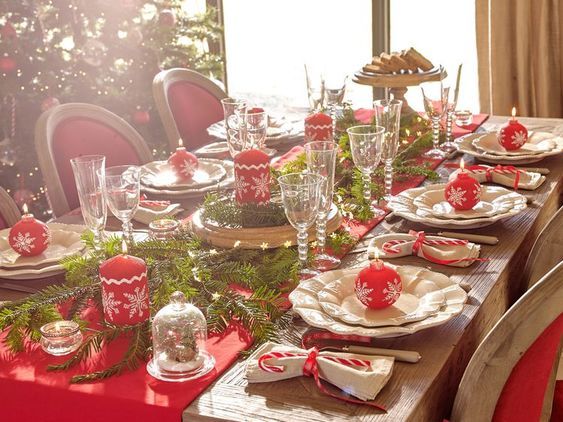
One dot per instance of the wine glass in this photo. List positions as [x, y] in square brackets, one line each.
[301, 197]
[234, 127]
[335, 88]
[388, 115]
[451, 105]
[321, 160]
[365, 144]
[315, 89]
[122, 193]
[89, 172]
[255, 122]
[435, 97]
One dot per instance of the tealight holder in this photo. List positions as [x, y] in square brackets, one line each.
[60, 338]
[463, 117]
[163, 229]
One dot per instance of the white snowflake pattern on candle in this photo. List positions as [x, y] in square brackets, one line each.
[363, 292]
[111, 305]
[23, 242]
[261, 186]
[392, 291]
[241, 185]
[188, 168]
[456, 196]
[137, 301]
[519, 138]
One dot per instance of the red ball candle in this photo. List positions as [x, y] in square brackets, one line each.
[125, 290]
[318, 127]
[252, 177]
[29, 237]
[183, 162]
[513, 135]
[463, 192]
[378, 285]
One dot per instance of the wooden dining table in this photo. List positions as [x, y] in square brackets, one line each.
[423, 391]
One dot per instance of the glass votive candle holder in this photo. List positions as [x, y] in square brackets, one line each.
[463, 117]
[60, 338]
[163, 229]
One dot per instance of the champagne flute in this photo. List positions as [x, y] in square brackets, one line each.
[301, 195]
[388, 115]
[453, 95]
[122, 193]
[435, 97]
[365, 144]
[315, 89]
[321, 160]
[89, 171]
[234, 127]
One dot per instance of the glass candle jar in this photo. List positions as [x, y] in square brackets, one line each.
[163, 229]
[179, 333]
[463, 117]
[60, 338]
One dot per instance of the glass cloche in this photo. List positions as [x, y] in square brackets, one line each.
[179, 332]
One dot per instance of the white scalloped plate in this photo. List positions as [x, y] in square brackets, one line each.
[159, 174]
[306, 303]
[494, 200]
[403, 206]
[465, 144]
[538, 143]
[419, 299]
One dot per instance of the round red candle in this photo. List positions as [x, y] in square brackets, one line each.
[29, 237]
[125, 291]
[183, 162]
[378, 285]
[252, 177]
[318, 127]
[463, 192]
[513, 135]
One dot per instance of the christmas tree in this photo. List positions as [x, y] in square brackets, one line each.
[103, 52]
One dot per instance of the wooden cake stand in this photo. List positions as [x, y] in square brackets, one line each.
[397, 83]
[255, 237]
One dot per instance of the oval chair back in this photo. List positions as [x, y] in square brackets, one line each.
[188, 103]
[71, 130]
[9, 212]
[511, 376]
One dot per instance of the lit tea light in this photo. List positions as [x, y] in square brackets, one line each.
[60, 338]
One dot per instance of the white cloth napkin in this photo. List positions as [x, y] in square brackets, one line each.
[363, 383]
[528, 180]
[441, 252]
[147, 215]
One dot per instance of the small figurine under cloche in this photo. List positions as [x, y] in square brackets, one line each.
[179, 333]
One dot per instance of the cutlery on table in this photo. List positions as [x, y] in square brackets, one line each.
[399, 355]
[476, 238]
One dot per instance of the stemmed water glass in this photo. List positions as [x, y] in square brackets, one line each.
[451, 105]
[122, 194]
[89, 172]
[232, 110]
[388, 115]
[365, 144]
[335, 88]
[255, 122]
[321, 160]
[315, 89]
[435, 97]
[301, 194]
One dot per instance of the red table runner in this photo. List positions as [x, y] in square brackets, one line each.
[32, 393]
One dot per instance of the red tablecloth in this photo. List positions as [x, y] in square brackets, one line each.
[31, 393]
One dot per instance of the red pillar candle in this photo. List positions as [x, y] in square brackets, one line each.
[318, 127]
[513, 135]
[463, 192]
[29, 237]
[125, 290]
[183, 162]
[252, 177]
[378, 285]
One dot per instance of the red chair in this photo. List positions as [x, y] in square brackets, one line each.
[9, 212]
[71, 130]
[188, 103]
[512, 375]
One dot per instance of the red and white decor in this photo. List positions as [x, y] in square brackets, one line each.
[125, 291]
[378, 285]
[513, 135]
[318, 127]
[29, 236]
[252, 177]
[183, 162]
[463, 192]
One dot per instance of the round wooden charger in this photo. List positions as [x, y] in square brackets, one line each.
[256, 237]
[398, 80]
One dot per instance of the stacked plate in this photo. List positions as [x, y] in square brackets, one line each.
[65, 241]
[427, 205]
[158, 178]
[280, 131]
[486, 148]
[329, 301]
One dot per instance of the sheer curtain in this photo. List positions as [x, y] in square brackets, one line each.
[519, 48]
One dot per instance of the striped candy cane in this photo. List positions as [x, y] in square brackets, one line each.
[488, 170]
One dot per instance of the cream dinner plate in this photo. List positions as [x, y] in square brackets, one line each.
[159, 174]
[538, 143]
[305, 302]
[494, 200]
[420, 298]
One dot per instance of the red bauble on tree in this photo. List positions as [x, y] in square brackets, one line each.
[378, 286]
[463, 192]
[167, 17]
[183, 162]
[29, 237]
[7, 64]
[125, 291]
[318, 127]
[513, 135]
[141, 117]
[252, 177]
[49, 102]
